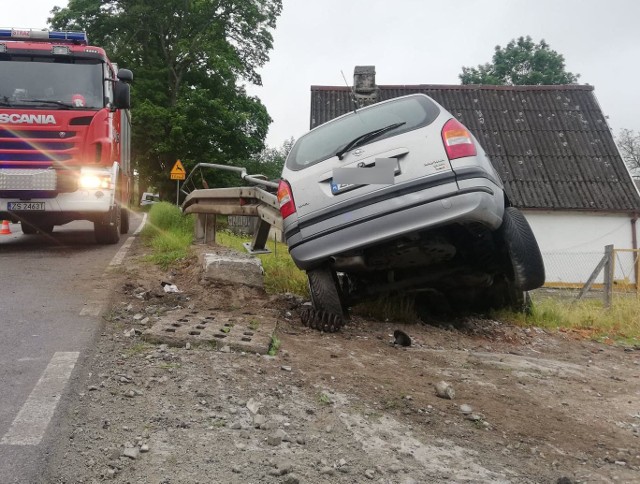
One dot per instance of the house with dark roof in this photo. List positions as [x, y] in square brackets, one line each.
[554, 151]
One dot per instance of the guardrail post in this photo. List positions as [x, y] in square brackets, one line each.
[205, 228]
[260, 238]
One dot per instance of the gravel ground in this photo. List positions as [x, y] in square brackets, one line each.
[472, 400]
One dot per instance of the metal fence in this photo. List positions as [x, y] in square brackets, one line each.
[612, 272]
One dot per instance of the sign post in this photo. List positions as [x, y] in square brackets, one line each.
[178, 173]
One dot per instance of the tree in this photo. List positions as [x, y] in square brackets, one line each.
[270, 161]
[190, 59]
[521, 62]
[628, 142]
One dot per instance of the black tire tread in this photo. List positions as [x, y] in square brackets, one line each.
[523, 249]
[108, 234]
[323, 287]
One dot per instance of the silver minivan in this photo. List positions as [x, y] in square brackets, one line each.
[400, 197]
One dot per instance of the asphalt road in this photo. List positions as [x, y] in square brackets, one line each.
[52, 291]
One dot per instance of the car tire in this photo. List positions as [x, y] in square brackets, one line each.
[106, 233]
[325, 290]
[522, 247]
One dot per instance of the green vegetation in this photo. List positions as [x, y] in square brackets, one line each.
[138, 348]
[588, 318]
[168, 233]
[281, 274]
[274, 346]
[521, 62]
[324, 399]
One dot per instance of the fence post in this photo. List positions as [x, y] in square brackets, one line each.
[608, 275]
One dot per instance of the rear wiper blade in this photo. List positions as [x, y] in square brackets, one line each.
[363, 138]
[48, 101]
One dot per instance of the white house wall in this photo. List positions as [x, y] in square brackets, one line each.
[572, 244]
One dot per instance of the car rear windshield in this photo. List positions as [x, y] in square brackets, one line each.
[323, 142]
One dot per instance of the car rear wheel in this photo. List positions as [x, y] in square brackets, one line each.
[325, 290]
[523, 250]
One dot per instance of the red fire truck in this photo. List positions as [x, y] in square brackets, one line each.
[65, 132]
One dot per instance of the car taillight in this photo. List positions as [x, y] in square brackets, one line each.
[457, 140]
[285, 199]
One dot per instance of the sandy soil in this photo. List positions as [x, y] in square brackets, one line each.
[529, 406]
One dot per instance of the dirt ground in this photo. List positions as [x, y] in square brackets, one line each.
[529, 406]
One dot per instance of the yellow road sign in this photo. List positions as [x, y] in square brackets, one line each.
[178, 172]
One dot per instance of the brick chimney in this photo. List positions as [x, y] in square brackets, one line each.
[364, 85]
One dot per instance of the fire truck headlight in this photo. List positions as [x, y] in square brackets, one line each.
[93, 181]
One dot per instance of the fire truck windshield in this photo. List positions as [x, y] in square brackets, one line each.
[30, 82]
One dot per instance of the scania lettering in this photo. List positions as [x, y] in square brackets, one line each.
[65, 134]
[27, 118]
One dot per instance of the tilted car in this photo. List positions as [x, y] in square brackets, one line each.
[400, 197]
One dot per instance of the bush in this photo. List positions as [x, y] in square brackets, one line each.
[169, 233]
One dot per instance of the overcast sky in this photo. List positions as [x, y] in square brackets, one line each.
[427, 42]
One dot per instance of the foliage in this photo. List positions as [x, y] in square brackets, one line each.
[274, 346]
[168, 233]
[628, 142]
[587, 317]
[270, 161]
[521, 62]
[190, 58]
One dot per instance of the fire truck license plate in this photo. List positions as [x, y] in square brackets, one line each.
[25, 206]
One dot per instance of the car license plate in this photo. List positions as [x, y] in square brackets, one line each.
[342, 187]
[25, 206]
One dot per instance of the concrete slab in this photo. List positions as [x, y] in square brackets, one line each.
[244, 332]
[233, 269]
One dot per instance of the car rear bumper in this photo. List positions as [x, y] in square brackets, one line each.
[480, 201]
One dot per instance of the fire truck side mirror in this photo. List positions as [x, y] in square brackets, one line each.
[125, 75]
[122, 95]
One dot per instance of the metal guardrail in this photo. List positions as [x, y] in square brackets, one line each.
[255, 179]
[254, 201]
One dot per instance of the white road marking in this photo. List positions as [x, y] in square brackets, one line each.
[119, 257]
[141, 226]
[32, 421]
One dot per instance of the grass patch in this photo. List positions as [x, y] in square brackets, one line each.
[280, 273]
[324, 399]
[168, 233]
[618, 324]
[274, 346]
[138, 348]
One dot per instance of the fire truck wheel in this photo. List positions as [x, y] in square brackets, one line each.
[30, 228]
[124, 220]
[106, 233]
